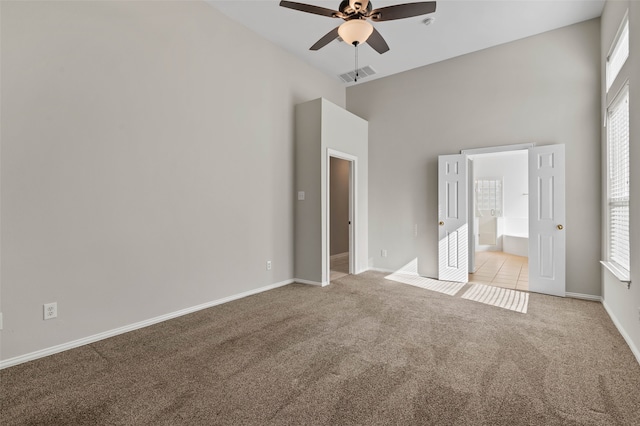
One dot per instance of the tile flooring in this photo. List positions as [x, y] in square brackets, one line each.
[339, 267]
[501, 270]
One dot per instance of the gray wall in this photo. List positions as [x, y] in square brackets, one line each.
[544, 89]
[622, 303]
[308, 229]
[349, 134]
[513, 169]
[147, 163]
[339, 206]
[322, 126]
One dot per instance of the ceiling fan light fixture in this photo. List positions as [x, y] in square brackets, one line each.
[355, 31]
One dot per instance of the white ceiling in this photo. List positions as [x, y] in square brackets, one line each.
[460, 27]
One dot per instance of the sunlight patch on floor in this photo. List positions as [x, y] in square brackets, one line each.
[444, 287]
[500, 297]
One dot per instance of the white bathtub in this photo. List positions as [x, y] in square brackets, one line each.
[515, 238]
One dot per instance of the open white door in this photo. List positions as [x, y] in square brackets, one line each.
[547, 239]
[453, 232]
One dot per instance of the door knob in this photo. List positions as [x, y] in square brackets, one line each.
[560, 227]
[441, 223]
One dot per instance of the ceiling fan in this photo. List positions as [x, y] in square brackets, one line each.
[356, 29]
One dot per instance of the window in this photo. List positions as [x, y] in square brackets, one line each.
[489, 195]
[618, 183]
[618, 54]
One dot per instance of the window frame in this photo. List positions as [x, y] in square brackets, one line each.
[615, 87]
[622, 272]
[622, 30]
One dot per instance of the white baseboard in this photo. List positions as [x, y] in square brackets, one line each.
[584, 296]
[386, 271]
[398, 271]
[634, 349]
[297, 280]
[110, 333]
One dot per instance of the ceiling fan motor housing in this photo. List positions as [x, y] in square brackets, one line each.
[349, 8]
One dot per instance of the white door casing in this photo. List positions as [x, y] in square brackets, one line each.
[547, 234]
[471, 215]
[453, 231]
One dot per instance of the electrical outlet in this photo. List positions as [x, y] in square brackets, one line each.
[50, 310]
[268, 265]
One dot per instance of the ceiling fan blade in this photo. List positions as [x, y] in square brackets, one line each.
[376, 41]
[400, 11]
[328, 38]
[316, 10]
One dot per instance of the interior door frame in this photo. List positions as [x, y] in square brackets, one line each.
[470, 212]
[353, 209]
[471, 209]
[555, 271]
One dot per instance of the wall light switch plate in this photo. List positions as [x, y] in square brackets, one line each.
[300, 195]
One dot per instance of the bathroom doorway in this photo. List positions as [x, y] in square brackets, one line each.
[547, 213]
[499, 219]
[340, 217]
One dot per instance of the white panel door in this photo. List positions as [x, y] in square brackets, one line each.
[453, 237]
[547, 232]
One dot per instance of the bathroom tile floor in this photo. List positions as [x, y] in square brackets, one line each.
[501, 270]
[339, 267]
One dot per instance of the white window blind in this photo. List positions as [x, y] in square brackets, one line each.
[618, 55]
[618, 188]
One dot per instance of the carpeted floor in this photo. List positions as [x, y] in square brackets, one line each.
[364, 350]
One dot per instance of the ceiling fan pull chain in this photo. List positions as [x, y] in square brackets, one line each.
[356, 45]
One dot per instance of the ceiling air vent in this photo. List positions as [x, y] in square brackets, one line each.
[363, 72]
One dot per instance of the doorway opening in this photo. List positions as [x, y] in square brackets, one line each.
[546, 236]
[499, 219]
[338, 217]
[341, 211]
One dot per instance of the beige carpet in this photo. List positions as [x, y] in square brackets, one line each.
[364, 350]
